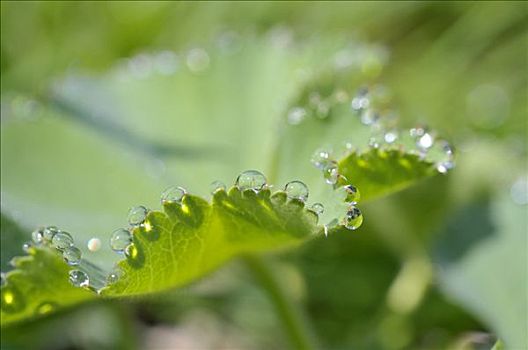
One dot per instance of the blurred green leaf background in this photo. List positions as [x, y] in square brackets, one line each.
[442, 265]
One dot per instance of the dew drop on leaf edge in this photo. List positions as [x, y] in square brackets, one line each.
[49, 232]
[172, 194]
[120, 239]
[251, 180]
[72, 255]
[137, 215]
[297, 190]
[79, 278]
[317, 208]
[352, 194]
[353, 219]
[217, 186]
[62, 240]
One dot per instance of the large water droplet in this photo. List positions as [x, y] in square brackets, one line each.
[37, 236]
[120, 239]
[217, 186]
[137, 215]
[62, 240]
[352, 194]
[172, 195]
[197, 60]
[330, 173]
[94, 244]
[296, 190]
[296, 115]
[317, 208]
[353, 218]
[72, 255]
[49, 232]
[321, 158]
[79, 278]
[251, 180]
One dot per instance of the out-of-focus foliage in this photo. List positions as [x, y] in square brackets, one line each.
[440, 265]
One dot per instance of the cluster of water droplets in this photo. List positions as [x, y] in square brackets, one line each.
[349, 194]
[295, 190]
[168, 62]
[371, 107]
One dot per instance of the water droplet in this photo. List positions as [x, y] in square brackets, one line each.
[444, 166]
[173, 195]
[120, 239]
[45, 308]
[353, 194]
[198, 60]
[62, 240]
[360, 101]
[94, 244]
[251, 180]
[321, 158]
[296, 190]
[217, 186]
[2, 279]
[519, 191]
[37, 236]
[353, 218]
[425, 141]
[296, 115]
[317, 208]
[27, 246]
[330, 174]
[114, 276]
[390, 136]
[369, 117]
[72, 255]
[137, 215]
[131, 251]
[49, 232]
[79, 278]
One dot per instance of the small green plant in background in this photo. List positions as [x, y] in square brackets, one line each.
[340, 177]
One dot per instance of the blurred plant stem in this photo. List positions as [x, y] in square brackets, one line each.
[294, 324]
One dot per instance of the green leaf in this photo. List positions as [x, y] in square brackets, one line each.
[381, 172]
[108, 143]
[480, 256]
[187, 241]
[38, 286]
[171, 248]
